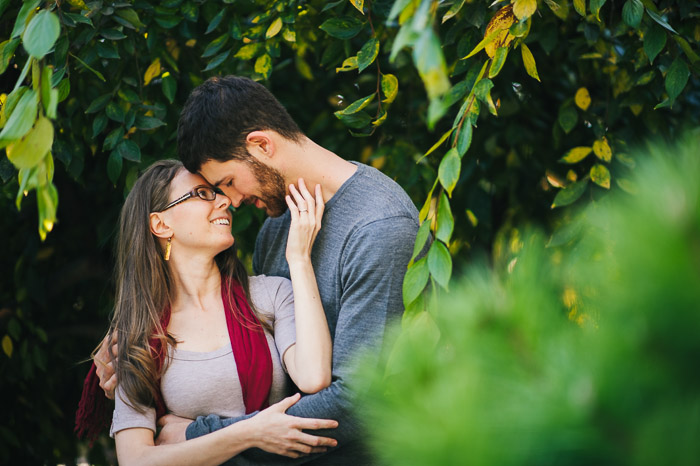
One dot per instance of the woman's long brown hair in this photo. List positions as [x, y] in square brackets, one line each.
[145, 287]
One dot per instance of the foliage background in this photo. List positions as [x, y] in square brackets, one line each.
[112, 77]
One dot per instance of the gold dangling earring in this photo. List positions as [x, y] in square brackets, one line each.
[167, 249]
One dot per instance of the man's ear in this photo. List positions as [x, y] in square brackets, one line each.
[260, 144]
[158, 225]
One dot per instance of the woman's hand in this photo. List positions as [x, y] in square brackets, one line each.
[307, 214]
[281, 434]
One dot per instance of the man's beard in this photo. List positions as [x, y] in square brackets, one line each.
[272, 187]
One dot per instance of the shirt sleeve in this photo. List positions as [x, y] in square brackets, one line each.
[273, 296]
[373, 265]
[127, 417]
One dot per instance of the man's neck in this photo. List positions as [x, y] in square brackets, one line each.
[316, 165]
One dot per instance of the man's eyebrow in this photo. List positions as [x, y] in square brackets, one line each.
[215, 184]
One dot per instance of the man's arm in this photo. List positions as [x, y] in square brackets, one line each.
[373, 266]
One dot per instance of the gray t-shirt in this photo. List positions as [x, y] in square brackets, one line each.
[360, 258]
[201, 383]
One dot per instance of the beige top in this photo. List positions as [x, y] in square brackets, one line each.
[199, 384]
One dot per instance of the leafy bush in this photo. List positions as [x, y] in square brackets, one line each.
[580, 354]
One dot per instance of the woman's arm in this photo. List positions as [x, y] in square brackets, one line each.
[270, 430]
[309, 360]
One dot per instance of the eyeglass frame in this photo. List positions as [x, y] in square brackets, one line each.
[192, 194]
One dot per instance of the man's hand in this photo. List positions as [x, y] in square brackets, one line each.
[279, 433]
[172, 429]
[105, 368]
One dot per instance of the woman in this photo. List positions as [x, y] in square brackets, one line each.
[194, 334]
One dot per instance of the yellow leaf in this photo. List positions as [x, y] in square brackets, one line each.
[349, 63]
[390, 87]
[7, 345]
[636, 109]
[576, 154]
[152, 71]
[263, 65]
[600, 175]
[523, 9]
[582, 99]
[571, 176]
[191, 43]
[28, 151]
[359, 4]
[602, 150]
[501, 21]
[274, 28]
[580, 7]
[529, 62]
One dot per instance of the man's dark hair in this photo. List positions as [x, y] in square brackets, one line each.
[220, 113]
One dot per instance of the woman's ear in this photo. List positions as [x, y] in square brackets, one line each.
[260, 144]
[158, 225]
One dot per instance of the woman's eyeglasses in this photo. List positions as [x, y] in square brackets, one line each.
[203, 192]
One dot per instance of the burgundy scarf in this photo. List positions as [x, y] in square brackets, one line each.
[250, 350]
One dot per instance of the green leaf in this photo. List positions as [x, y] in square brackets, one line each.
[498, 61]
[190, 11]
[129, 150]
[169, 88]
[131, 16]
[112, 34]
[78, 18]
[99, 103]
[654, 41]
[570, 194]
[454, 9]
[595, 6]
[215, 45]
[482, 91]
[448, 172]
[367, 54]
[263, 65]
[97, 73]
[464, 139]
[7, 50]
[128, 95]
[421, 238]
[21, 21]
[529, 62]
[416, 278]
[215, 21]
[99, 124]
[113, 138]
[22, 118]
[349, 64]
[600, 175]
[576, 154]
[41, 33]
[115, 112]
[357, 105]
[438, 144]
[676, 78]
[114, 166]
[356, 120]
[632, 13]
[345, 27]
[28, 151]
[568, 117]
[147, 123]
[390, 87]
[217, 60]
[440, 263]
[659, 20]
[63, 89]
[445, 220]
[580, 7]
[430, 62]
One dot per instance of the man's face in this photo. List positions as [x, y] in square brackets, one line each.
[249, 182]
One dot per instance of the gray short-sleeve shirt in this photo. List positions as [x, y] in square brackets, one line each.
[201, 383]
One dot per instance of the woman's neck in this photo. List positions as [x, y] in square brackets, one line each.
[196, 280]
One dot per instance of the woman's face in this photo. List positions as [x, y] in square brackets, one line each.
[198, 224]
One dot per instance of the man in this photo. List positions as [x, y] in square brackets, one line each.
[235, 133]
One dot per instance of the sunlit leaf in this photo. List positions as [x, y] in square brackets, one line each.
[582, 98]
[263, 65]
[529, 62]
[440, 263]
[274, 28]
[600, 175]
[580, 7]
[430, 62]
[22, 118]
[390, 87]
[41, 33]
[498, 61]
[356, 106]
[28, 151]
[7, 50]
[576, 154]
[415, 280]
[523, 9]
[448, 172]
[595, 6]
[359, 4]
[454, 9]
[152, 71]
[349, 64]
[602, 150]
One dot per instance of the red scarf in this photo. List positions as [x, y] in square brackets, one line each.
[250, 350]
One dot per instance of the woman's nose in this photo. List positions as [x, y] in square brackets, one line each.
[222, 201]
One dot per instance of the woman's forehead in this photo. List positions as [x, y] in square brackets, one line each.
[184, 181]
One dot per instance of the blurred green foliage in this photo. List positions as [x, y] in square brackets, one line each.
[488, 114]
[584, 353]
